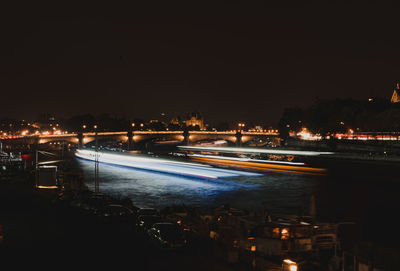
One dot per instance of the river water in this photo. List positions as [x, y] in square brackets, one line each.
[363, 193]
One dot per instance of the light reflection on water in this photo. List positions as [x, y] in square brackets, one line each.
[366, 194]
[284, 193]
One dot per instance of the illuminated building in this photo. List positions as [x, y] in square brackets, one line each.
[396, 94]
[195, 119]
[176, 121]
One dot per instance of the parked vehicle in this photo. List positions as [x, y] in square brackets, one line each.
[145, 222]
[167, 235]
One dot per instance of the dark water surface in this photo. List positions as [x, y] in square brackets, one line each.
[368, 194]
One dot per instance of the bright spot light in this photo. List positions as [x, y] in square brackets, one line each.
[306, 135]
[291, 264]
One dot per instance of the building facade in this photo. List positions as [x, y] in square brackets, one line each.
[195, 119]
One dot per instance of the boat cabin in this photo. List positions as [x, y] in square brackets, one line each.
[280, 239]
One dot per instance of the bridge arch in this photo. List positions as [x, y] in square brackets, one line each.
[140, 138]
[73, 140]
[198, 137]
[102, 139]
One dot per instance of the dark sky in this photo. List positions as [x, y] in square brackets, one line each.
[229, 62]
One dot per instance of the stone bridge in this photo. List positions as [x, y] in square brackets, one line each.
[133, 137]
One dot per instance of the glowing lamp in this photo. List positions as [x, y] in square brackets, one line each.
[284, 233]
[289, 265]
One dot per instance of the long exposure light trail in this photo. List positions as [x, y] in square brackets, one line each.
[252, 150]
[162, 165]
[247, 159]
[262, 166]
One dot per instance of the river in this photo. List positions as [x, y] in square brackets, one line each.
[367, 194]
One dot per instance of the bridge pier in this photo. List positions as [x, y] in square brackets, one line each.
[80, 140]
[129, 134]
[186, 137]
[238, 138]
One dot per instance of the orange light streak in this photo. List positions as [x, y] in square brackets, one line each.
[272, 167]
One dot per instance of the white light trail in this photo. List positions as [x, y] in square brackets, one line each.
[162, 165]
[252, 150]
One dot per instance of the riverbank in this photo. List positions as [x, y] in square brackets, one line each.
[40, 233]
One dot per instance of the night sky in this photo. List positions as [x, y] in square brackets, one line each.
[229, 62]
